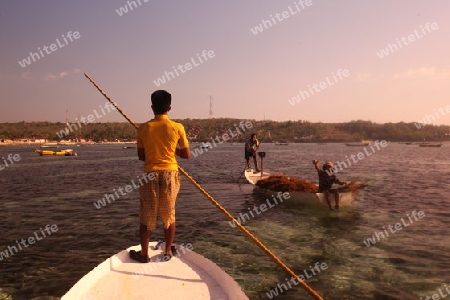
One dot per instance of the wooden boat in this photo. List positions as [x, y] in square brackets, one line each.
[50, 146]
[426, 144]
[65, 152]
[345, 195]
[357, 144]
[187, 275]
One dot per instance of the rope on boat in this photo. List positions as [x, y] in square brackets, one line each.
[221, 208]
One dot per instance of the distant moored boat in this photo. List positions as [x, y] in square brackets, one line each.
[426, 144]
[65, 152]
[360, 144]
[50, 146]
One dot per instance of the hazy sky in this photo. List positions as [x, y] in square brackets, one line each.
[249, 76]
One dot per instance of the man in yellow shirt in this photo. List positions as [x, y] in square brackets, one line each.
[157, 146]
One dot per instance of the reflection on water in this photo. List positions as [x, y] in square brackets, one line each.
[411, 263]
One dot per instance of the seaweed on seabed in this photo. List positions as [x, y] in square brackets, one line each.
[282, 183]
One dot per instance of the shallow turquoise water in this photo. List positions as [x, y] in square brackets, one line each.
[409, 264]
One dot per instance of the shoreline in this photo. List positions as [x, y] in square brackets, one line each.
[65, 144]
[6, 144]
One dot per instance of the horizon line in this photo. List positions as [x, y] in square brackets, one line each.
[240, 119]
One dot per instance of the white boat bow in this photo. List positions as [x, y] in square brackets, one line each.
[187, 276]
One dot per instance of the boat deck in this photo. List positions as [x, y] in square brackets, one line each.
[188, 276]
[253, 177]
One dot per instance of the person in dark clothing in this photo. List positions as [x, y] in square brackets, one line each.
[250, 151]
[326, 181]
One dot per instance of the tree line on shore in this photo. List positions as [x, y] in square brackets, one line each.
[200, 130]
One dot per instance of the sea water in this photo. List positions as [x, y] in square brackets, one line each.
[410, 263]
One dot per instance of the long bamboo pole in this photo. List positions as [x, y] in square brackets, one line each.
[220, 207]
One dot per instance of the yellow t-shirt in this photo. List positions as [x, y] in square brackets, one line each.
[159, 138]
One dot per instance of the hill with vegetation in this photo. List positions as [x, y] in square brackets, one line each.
[202, 130]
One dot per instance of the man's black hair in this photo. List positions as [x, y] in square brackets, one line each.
[161, 101]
